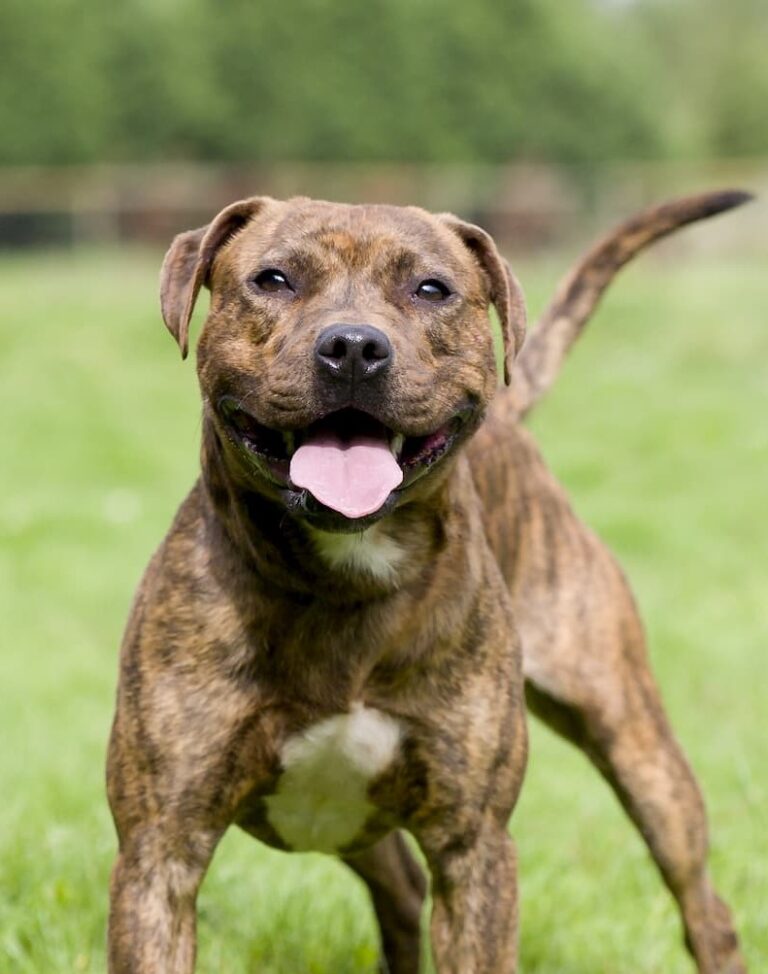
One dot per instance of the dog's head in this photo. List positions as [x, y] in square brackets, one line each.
[347, 351]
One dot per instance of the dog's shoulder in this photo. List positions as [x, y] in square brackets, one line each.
[180, 590]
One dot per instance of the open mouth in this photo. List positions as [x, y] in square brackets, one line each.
[347, 461]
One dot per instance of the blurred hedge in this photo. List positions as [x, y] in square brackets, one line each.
[442, 80]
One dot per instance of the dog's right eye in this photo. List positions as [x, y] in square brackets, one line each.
[272, 280]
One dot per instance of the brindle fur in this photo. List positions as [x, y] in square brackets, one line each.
[241, 635]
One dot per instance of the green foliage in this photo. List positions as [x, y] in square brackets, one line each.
[718, 70]
[442, 80]
[657, 428]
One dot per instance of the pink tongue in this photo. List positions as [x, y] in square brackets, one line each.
[354, 477]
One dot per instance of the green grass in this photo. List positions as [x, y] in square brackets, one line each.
[658, 428]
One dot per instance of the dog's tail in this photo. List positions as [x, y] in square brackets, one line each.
[579, 292]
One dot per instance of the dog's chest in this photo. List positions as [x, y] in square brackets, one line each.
[321, 802]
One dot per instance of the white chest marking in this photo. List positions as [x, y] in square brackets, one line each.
[370, 551]
[321, 801]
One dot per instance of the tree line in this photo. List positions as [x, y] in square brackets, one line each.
[574, 81]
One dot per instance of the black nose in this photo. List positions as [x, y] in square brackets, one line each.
[353, 352]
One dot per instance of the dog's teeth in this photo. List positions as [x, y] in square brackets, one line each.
[290, 443]
[396, 445]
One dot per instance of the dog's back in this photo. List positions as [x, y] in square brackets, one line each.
[567, 588]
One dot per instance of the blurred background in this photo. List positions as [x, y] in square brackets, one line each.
[544, 121]
[122, 123]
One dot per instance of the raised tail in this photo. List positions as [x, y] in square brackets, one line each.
[579, 292]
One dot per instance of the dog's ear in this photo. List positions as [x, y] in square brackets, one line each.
[187, 265]
[505, 292]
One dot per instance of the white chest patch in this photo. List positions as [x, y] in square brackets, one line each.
[370, 551]
[321, 802]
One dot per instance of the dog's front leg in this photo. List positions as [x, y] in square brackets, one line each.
[153, 893]
[474, 912]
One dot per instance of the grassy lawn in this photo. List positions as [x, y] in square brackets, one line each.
[659, 428]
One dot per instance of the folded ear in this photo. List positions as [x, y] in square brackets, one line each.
[187, 265]
[504, 291]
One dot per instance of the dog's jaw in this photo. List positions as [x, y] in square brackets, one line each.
[276, 462]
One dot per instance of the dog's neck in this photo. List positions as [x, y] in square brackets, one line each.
[285, 554]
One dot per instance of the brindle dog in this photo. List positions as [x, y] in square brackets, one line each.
[326, 648]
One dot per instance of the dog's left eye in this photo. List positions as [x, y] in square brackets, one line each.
[272, 280]
[432, 290]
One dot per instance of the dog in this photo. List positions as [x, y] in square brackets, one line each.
[373, 576]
